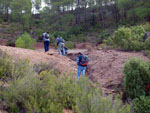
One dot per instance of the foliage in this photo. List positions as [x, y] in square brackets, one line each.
[147, 27]
[38, 32]
[136, 76]
[1, 21]
[21, 12]
[11, 43]
[25, 41]
[129, 38]
[105, 35]
[76, 30]
[81, 38]
[6, 66]
[147, 44]
[69, 44]
[90, 100]
[44, 92]
[141, 105]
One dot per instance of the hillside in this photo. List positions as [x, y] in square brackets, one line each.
[61, 63]
[105, 67]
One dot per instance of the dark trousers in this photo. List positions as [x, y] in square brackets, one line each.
[46, 46]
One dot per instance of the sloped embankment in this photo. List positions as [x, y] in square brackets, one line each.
[61, 63]
[106, 67]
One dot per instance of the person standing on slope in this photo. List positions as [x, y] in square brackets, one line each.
[46, 41]
[82, 62]
[61, 44]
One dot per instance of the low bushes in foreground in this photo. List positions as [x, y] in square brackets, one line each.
[42, 91]
[142, 104]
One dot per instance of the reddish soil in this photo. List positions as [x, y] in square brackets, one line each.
[3, 41]
[106, 67]
[58, 62]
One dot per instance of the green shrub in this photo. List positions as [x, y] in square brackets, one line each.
[69, 45]
[141, 105]
[6, 66]
[10, 70]
[136, 76]
[25, 41]
[147, 27]
[1, 21]
[147, 44]
[105, 35]
[129, 38]
[44, 92]
[11, 43]
[81, 38]
[38, 32]
[90, 100]
[75, 30]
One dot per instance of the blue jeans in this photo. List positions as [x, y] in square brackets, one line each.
[46, 46]
[81, 69]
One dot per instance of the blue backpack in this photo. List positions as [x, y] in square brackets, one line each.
[83, 60]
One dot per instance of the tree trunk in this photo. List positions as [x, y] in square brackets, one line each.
[85, 19]
[93, 17]
[78, 13]
[133, 16]
[102, 15]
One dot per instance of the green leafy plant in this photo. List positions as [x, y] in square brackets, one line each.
[147, 27]
[69, 44]
[142, 104]
[25, 41]
[136, 76]
[129, 38]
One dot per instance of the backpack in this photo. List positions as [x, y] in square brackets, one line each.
[83, 60]
[46, 36]
[61, 40]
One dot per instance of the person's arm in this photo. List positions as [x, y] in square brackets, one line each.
[77, 60]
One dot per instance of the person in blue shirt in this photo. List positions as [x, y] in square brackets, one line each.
[46, 41]
[82, 62]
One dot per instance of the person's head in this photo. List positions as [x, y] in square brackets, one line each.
[47, 32]
[79, 53]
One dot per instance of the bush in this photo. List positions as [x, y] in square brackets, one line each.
[136, 76]
[90, 100]
[38, 32]
[1, 21]
[69, 45]
[147, 44]
[6, 66]
[11, 43]
[147, 27]
[10, 70]
[81, 38]
[141, 105]
[129, 38]
[44, 92]
[105, 35]
[25, 41]
[75, 30]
